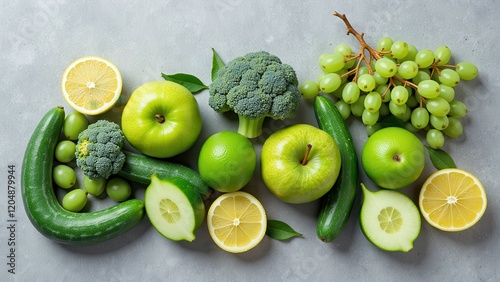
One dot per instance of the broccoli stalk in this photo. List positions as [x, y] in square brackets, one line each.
[99, 149]
[255, 86]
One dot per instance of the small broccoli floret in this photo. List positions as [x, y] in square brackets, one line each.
[255, 86]
[99, 149]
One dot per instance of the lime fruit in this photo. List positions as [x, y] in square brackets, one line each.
[227, 161]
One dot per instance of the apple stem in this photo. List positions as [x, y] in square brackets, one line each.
[160, 118]
[306, 157]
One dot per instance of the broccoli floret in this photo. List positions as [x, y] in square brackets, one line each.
[255, 86]
[99, 149]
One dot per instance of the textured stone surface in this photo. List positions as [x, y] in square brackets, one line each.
[144, 38]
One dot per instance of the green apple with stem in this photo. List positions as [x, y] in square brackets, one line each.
[393, 157]
[161, 119]
[300, 163]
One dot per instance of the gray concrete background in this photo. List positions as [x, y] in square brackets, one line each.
[40, 38]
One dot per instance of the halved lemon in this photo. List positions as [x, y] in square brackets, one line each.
[237, 222]
[91, 85]
[452, 200]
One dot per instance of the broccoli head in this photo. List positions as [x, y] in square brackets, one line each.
[99, 149]
[255, 86]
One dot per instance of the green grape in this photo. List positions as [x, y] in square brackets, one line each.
[449, 77]
[94, 187]
[358, 107]
[421, 76]
[74, 123]
[458, 109]
[384, 44]
[363, 70]
[380, 80]
[351, 92]
[454, 129]
[321, 57]
[343, 49]
[434, 138]
[372, 102]
[64, 176]
[370, 129]
[349, 62]
[409, 126]
[466, 70]
[407, 114]
[442, 54]
[419, 118]
[384, 110]
[118, 189]
[369, 118]
[338, 93]
[386, 67]
[429, 89]
[65, 151]
[399, 49]
[75, 200]
[384, 89]
[343, 77]
[412, 101]
[366, 82]
[447, 93]
[332, 63]
[399, 95]
[424, 58]
[397, 110]
[344, 109]
[330, 82]
[412, 53]
[438, 106]
[439, 123]
[309, 89]
[408, 69]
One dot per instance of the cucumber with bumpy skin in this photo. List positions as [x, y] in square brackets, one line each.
[139, 168]
[42, 206]
[337, 204]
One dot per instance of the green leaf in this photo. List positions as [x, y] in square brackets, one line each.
[391, 121]
[217, 64]
[440, 159]
[280, 231]
[191, 82]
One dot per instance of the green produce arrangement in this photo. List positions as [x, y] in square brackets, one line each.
[400, 93]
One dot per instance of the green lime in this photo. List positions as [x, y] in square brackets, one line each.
[227, 161]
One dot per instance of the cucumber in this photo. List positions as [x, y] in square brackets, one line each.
[42, 206]
[337, 204]
[139, 168]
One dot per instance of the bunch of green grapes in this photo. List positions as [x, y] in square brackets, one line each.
[415, 86]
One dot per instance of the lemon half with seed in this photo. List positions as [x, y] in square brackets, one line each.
[237, 222]
[91, 85]
[452, 200]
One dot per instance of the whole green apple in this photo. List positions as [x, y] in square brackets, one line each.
[393, 157]
[300, 163]
[161, 119]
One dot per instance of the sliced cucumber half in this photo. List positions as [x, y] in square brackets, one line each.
[174, 208]
[389, 219]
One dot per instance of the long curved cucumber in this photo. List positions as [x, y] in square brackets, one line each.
[337, 204]
[139, 168]
[41, 204]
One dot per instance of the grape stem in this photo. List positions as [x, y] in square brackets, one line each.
[373, 54]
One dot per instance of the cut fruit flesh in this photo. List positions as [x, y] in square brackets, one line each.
[174, 207]
[91, 85]
[236, 222]
[389, 219]
[452, 200]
